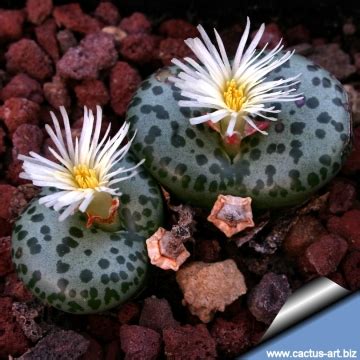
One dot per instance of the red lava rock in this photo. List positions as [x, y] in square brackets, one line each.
[266, 298]
[298, 34]
[38, 10]
[173, 48]
[12, 339]
[94, 350]
[347, 226]
[11, 24]
[5, 255]
[208, 250]
[305, 231]
[103, 327]
[13, 171]
[124, 80]
[128, 313]
[92, 93]
[61, 344]
[20, 198]
[16, 289]
[107, 13]
[139, 48]
[22, 85]
[178, 29]
[189, 342]
[351, 270]
[46, 37]
[18, 111]
[325, 254]
[338, 278]
[272, 35]
[135, 24]
[5, 227]
[157, 315]
[342, 197]
[72, 17]
[231, 338]
[352, 163]
[27, 138]
[2, 141]
[138, 342]
[96, 52]
[56, 93]
[26, 56]
[6, 193]
[66, 40]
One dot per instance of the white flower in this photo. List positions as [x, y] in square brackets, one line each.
[85, 169]
[237, 91]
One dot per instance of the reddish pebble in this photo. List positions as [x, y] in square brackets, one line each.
[157, 315]
[107, 13]
[12, 340]
[135, 24]
[325, 254]
[103, 327]
[208, 250]
[305, 231]
[342, 197]
[27, 138]
[56, 93]
[92, 93]
[22, 85]
[348, 227]
[94, 350]
[298, 34]
[231, 338]
[6, 193]
[189, 342]
[178, 29]
[271, 36]
[11, 24]
[5, 255]
[352, 164]
[96, 52]
[267, 298]
[173, 48]
[128, 313]
[15, 288]
[72, 17]
[139, 48]
[38, 10]
[351, 270]
[46, 37]
[124, 81]
[138, 342]
[26, 56]
[18, 111]
[66, 40]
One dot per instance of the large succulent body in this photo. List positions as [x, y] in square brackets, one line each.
[303, 150]
[83, 270]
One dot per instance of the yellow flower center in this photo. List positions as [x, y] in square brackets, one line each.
[234, 96]
[85, 178]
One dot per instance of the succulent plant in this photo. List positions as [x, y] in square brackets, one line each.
[87, 270]
[303, 150]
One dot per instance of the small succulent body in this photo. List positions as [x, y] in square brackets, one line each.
[87, 270]
[303, 150]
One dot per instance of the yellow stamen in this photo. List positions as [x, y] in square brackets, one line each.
[234, 96]
[86, 178]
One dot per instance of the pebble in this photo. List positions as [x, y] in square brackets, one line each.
[342, 196]
[189, 342]
[170, 48]
[56, 93]
[91, 93]
[5, 255]
[267, 298]
[351, 270]
[136, 23]
[107, 13]
[46, 37]
[208, 288]
[138, 342]
[178, 29]
[38, 10]
[129, 313]
[156, 314]
[11, 24]
[27, 138]
[102, 327]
